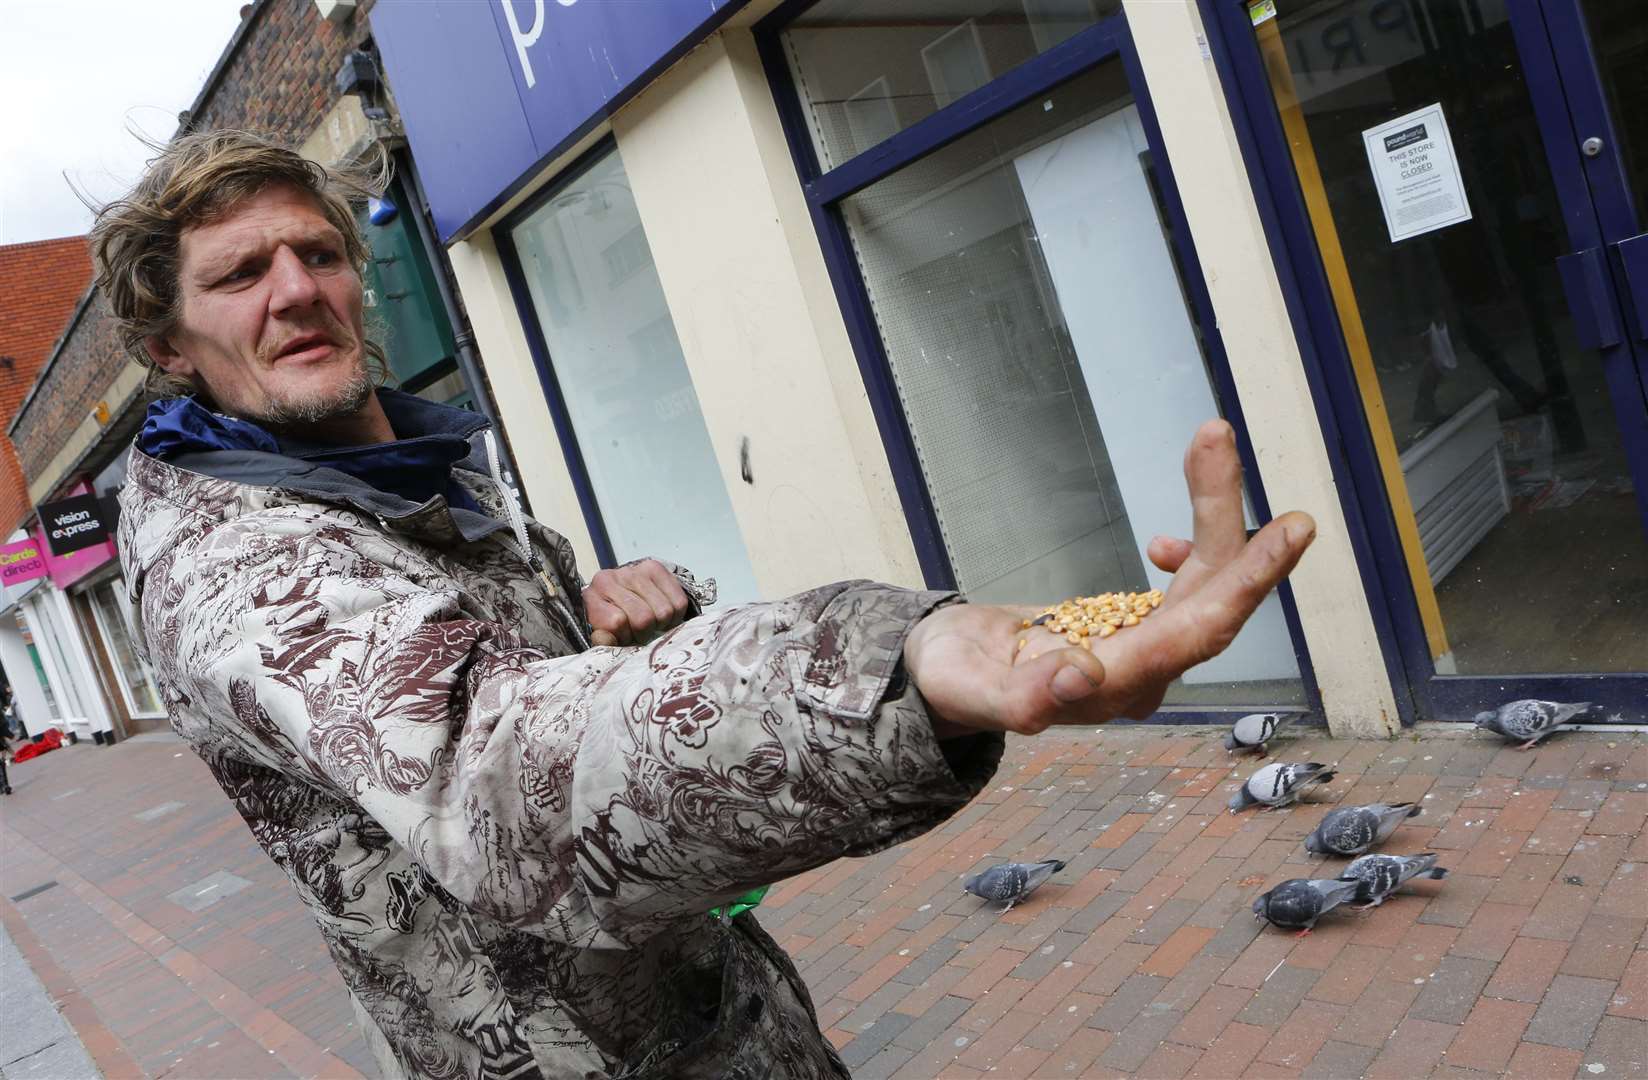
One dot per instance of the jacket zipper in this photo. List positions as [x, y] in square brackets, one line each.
[556, 601]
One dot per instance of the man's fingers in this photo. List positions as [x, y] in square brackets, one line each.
[1168, 553]
[637, 612]
[603, 638]
[608, 618]
[648, 592]
[675, 597]
[1199, 627]
[1047, 689]
[1213, 474]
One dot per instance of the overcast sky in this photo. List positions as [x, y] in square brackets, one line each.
[74, 78]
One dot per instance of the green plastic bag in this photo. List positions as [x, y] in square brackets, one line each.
[741, 905]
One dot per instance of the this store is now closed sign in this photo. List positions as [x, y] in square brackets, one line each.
[73, 524]
[22, 561]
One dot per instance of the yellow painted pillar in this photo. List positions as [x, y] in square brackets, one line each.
[1350, 320]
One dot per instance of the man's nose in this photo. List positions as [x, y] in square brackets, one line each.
[292, 285]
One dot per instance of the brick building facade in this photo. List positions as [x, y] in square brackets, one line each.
[41, 284]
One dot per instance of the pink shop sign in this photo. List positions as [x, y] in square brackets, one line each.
[22, 561]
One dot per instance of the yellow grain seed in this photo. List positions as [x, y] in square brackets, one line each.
[1072, 637]
[1022, 643]
[1131, 620]
[1106, 630]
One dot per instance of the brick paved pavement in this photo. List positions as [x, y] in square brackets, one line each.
[1141, 959]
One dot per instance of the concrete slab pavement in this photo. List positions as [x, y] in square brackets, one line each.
[35, 1040]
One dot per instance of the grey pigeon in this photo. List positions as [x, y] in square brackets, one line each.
[1297, 904]
[1351, 830]
[1252, 731]
[1377, 876]
[1530, 719]
[1278, 784]
[1011, 882]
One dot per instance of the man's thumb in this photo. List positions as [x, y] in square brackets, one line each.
[1071, 684]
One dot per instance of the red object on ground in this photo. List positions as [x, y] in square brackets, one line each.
[50, 739]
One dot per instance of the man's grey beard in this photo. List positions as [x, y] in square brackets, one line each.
[346, 401]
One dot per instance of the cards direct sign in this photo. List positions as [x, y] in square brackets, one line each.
[20, 562]
[73, 524]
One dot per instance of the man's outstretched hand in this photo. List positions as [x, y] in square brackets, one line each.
[965, 658]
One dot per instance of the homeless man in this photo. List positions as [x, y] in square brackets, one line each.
[512, 839]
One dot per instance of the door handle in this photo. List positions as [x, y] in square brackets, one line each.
[1585, 281]
[1633, 264]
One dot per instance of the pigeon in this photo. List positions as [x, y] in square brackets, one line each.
[1377, 876]
[1278, 784]
[1297, 904]
[1530, 719]
[1011, 882]
[1252, 731]
[1351, 830]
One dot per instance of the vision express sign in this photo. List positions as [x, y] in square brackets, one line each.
[73, 524]
[20, 562]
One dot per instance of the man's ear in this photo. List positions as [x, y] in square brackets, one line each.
[166, 358]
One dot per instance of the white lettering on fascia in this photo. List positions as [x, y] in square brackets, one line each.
[524, 41]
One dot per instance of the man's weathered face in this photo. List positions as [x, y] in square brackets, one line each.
[271, 313]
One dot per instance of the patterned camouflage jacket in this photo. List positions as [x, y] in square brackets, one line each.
[510, 841]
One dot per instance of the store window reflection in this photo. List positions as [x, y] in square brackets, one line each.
[625, 382]
[1033, 315]
[136, 682]
[867, 69]
[1495, 431]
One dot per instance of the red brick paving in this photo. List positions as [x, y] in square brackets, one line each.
[1169, 977]
[1139, 959]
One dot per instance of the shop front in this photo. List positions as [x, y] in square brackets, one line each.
[936, 294]
[1460, 192]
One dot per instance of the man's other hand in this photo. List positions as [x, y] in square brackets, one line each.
[965, 658]
[634, 603]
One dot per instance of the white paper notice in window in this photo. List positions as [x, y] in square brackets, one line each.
[1417, 173]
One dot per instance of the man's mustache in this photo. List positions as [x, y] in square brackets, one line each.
[335, 333]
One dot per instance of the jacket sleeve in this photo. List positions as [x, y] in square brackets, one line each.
[593, 797]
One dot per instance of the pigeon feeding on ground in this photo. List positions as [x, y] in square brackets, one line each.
[1351, 830]
[1011, 882]
[1279, 784]
[1252, 731]
[1530, 719]
[1377, 876]
[1297, 904]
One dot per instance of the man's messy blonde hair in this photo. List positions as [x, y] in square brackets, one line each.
[194, 180]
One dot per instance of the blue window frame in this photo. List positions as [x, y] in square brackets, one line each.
[826, 192]
[1565, 90]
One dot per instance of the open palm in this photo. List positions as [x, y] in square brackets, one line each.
[966, 662]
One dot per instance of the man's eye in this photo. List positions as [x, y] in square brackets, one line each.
[243, 273]
[322, 258]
